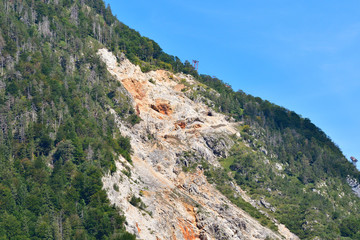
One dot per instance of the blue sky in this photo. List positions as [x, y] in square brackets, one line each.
[302, 55]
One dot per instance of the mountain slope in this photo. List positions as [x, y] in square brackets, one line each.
[56, 138]
[64, 119]
[307, 178]
[178, 204]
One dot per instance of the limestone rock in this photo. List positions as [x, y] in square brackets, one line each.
[355, 186]
[174, 132]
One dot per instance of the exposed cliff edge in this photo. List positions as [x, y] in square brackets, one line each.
[159, 199]
[355, 186]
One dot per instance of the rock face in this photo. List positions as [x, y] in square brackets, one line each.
[175, 132]
[355, 186]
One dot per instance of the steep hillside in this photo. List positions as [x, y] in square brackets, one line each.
[130, 142]
[57, 138]
[182, 133]
[293, 164]
[175, 132]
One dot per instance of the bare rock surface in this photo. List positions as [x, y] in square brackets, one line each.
[355, 186]
[174, 132]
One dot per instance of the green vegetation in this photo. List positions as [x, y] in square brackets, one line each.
[222, 180]
[289, 161]
[57, 138]
[350, 228]
[220, 177]
[136, 202]
[152, 81]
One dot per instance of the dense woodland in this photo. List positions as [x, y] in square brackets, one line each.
[309, 191]
[57, 138]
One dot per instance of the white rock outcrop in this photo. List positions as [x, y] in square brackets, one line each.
[174, 204]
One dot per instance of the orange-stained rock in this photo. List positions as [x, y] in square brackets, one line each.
[163, 108]
[187, 230]
[181, 124]
[178, 205]
[137, 109]
[135, 88]
[179, 87]
[146, 193]
[137, 226]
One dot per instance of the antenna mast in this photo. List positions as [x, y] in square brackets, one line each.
[196, 64]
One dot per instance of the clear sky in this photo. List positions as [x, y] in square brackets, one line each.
[302, 55]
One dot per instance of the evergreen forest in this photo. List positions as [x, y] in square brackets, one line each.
[57, 137]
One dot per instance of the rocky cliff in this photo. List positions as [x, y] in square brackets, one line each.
[178, 129]
[355, 186]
